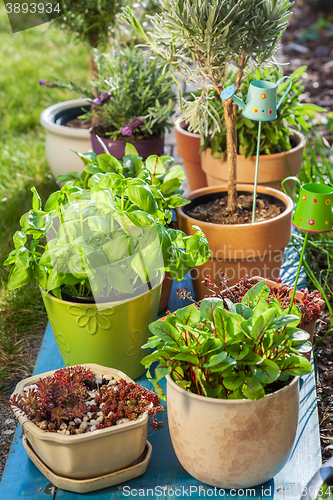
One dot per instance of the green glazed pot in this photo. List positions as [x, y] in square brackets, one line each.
[111, 336]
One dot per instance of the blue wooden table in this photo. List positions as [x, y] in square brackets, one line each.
[165, 478]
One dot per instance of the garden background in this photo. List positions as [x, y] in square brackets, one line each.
[44, 52]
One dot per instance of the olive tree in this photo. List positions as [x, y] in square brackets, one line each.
[203, 40]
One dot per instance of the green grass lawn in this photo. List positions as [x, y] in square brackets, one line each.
[26, 57]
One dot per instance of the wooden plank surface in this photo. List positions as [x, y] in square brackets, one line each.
[165, 478]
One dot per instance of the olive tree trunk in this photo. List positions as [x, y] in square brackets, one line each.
[230, 120]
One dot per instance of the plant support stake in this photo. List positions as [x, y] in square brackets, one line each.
[256, 175]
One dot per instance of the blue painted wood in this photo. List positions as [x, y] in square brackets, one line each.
[165, 478]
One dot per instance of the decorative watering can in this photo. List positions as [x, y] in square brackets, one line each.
[261, 101]
[313, 212]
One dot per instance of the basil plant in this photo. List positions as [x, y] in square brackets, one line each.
[245, 352]
[106, 232]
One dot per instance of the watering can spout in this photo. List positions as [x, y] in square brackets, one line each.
[229, 92]
[239, 101]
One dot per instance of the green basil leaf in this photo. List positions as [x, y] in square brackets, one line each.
[18, 277]
[36, 201]
[140, 218]
[54, 280]
[98, 224]
[19, 239]
[22, 258]
[141, 196]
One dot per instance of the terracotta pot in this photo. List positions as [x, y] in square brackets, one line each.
[233, 443]
[188, 146]
[310, 327]
[60, 141]
[254, 249]
[272, 168]
[91, 454]
[117, 148]
[165, 293]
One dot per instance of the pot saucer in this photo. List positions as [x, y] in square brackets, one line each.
[97, 483]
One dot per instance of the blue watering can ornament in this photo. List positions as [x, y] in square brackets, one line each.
[261, 105]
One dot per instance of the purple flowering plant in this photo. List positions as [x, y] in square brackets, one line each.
[131, 95]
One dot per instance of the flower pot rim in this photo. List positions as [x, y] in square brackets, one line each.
[240, 187]
[178, 125]
[197, 397]
[46, 118]
[126, 138]
[275, 156]
[66, 439]
[104, 305]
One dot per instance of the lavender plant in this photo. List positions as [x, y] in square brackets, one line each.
[131, 95]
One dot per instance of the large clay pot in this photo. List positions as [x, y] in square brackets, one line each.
[188, 146]
[272, 168]
[111, 335]
[117, 148]
[233, 443]
[61, 141]
[254, 249]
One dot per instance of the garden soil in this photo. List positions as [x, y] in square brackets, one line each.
[215, 211]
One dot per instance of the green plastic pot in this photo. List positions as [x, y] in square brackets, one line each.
[111, 336]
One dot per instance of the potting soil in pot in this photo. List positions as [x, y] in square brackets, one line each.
[77, 123]
[215, 211]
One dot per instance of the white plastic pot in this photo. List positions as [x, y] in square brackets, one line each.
[61, 140]
[233, 443]
[91, 454]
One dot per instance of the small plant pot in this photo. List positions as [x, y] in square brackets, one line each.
[188, 146]
[272, 168]
[61, 141]
[117, 148]
[111, 335]
[233, 443]
[310, 327]
[91, 454]
[254, 249]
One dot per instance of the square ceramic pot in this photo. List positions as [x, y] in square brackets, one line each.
[91, 454]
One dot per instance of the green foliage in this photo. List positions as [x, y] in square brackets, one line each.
[137, 87]
[317, 168]
[90, 21]
[24, 57]
[275, 137]
[313, 32]
[106, 230]
[229, 354]
[200, 40]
